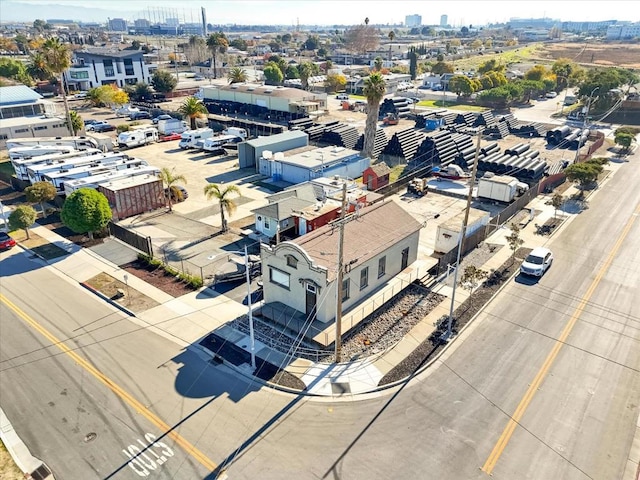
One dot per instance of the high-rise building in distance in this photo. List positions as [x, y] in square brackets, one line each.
[412, 21]
[444, 20]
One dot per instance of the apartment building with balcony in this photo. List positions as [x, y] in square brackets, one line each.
[93, 67]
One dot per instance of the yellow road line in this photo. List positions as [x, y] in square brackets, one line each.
[502, 442]
[141, 409]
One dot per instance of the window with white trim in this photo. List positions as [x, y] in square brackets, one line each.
[364, 278]
[279, 277]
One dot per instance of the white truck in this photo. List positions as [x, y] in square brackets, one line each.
[138, 137]
[172, 125]
[190, 138]
[501, 188]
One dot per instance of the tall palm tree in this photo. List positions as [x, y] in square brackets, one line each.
[192, 108]
[237, 75]
[377, 63]
[37, 66]
[77, 123]
[392, 36]
[374, 90]
[217, 43]
[213, 191]
[170, 180]
[58, 56]
[305, 69]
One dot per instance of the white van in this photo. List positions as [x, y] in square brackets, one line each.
[190, 138]
[137, 137]
[126, 110]
[172, 125]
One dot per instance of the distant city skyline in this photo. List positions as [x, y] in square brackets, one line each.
[321, 12]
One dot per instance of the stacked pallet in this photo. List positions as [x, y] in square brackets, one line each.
[341, 135]
[397, 106]
[379, 143]
[404, 144]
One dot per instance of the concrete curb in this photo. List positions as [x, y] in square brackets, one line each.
[107, 299]
[19, 452]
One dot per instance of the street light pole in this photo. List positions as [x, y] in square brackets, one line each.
[585, 122]
[463, 232]
[252, 339]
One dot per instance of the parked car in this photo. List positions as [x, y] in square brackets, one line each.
[437, 88]
[80, 95]
[198, 78]
[90, 121]
[551, 94]
[178, 193]
[142, 114]
[537, 262]
[161, 117]
[94, 124]
[102, 127]
[170, 137]
[6, 242]
[342, 96]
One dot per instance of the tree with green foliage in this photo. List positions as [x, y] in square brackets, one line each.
[442, 67]
[163, 81]
[513, 240]
[58, 56]
[624, 140]
[531, 87]
[378, 62]
[213, 191]
[170, 180]
[237, 75]
[322, 52]
[311, 43]
[497, 78]
[16, 70]
[585, 173]
[217, 44]
[239, 44]
[39, 25]
[306, 70]
[86, 211]
[139, 92]
[22, 218]
[413, 63]
[272, 73]
[499, 97]
[491, 65]
[192, 108]
[461, 85]
[41, 192]
[563, 68]
[292, 72]
[374, 91]
[537, 73]
[100, 96]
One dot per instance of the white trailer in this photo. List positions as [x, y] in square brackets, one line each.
[36, 172]
[173, 125]
[16, 153]
[138, 137]
[449, 231]
[190, 138]
[501, 188]
[20, 165]
[77, 143]
[217, 143]
[59, 178]
[94, 181]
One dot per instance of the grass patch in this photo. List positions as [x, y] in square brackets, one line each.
[111, 287]
[451, 105]
[521, 54]
[6, 169]
[396, 172]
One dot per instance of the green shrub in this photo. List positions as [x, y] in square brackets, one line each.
[122, 128]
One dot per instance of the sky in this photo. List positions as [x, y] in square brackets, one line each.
[325, 12]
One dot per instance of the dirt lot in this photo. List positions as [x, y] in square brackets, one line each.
[626, 55]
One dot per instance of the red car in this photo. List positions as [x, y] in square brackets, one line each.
[168, 138]
[6, 241]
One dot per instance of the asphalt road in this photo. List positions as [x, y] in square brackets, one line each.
[87, 389]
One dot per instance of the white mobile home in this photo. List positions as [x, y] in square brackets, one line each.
[58, 179]
[77, 143]
[20, 165]
[94, 181]
[36, 172]
[38, 150]
[138, 137]
[190, 138]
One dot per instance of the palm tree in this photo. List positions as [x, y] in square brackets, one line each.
[171, 180]
[377, 63]
[213, 190]
[217, 43]
[58, 56]
[37, 66]
[77, 123]
[392, 35]
[192, 108]
[305, 70]
[366, 21]
[237, 75]
[374, 90]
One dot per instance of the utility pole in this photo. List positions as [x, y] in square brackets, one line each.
[585, 122]
[252, 338]
[463, 232]
[175, 61]
[340, 274]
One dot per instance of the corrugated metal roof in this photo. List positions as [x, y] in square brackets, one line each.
[280, 137]
[18, 94]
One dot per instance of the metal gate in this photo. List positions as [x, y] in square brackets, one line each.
[131, 238]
